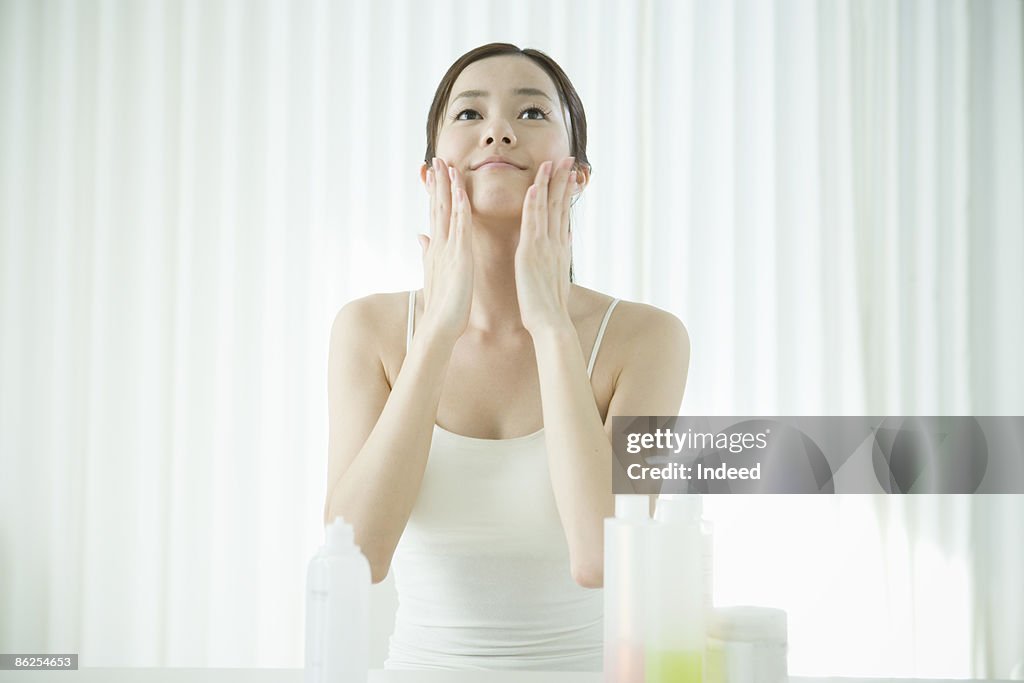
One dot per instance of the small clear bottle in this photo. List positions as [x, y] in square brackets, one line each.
[338, 610]
[680, 582]
[626, 563]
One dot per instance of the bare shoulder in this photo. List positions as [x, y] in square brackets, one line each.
[373, 313]
[644, 329]
[635, 329]
[647, 356]
[373, 324]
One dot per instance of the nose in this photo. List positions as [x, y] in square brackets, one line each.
[499, 130]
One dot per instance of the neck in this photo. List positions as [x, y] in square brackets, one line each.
[495, 307]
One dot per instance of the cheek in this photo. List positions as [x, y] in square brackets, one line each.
[556, 144]
[455, 146]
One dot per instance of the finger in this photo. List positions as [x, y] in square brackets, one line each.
[444, 198]
[456, 219]
[570, 188]
[437, 227]
[457, 208]
[540, 212]
[465, 222]
[424, 244]
[464, 228]
[526, 226]
[432, 189]
[556, 195]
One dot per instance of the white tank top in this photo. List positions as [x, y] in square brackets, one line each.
[482, 568]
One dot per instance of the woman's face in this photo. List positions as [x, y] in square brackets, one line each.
[504, 107]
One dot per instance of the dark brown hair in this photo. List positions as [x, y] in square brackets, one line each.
[569, 98]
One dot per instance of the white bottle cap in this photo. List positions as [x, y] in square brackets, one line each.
[632, 506]
[676, 507]
[748, 624]
[340, 537]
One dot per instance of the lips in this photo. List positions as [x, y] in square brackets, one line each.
[497, 162]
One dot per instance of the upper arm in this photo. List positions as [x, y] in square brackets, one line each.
[655, 360]
[357, 386]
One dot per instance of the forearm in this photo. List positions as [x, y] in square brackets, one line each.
[377, 492]
[579, 452]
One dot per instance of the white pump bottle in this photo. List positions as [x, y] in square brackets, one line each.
[337, 610]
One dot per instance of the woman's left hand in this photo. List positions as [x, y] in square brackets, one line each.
[543, 255]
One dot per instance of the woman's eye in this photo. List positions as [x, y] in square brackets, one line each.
[534, 114]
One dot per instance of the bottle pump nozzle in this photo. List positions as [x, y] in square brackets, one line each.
[674, 507]
[632, 506]
[339, 537]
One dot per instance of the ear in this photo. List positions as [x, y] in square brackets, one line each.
[583, 172]
[423, 176]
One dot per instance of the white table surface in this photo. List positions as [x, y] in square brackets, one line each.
[130, 675]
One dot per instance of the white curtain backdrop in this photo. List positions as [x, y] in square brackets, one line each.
[829, 194]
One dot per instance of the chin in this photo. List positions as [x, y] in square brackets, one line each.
[498, 202]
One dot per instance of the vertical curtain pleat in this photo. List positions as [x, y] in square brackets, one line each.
[711, 265]
[15, 403]
[842, 332]
[800, 269]
[827, 193]
[1006, 110]
[953, 361]
[981, 212]
[104, 461]
[668, 77]
[755, 378]
[63, 379]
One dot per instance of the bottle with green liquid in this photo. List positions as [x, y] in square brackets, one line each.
[680, 592]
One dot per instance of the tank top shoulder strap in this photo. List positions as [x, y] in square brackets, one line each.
[412, 320]
[600, 336]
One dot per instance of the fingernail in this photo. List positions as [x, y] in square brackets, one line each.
[430, 177]
[451, 173]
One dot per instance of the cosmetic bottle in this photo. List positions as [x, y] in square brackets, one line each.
[680, 572]
[338, 610]
[747, 645]
[691, 507]
[626, 562]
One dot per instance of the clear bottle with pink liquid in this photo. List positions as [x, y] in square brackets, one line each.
[626, 563]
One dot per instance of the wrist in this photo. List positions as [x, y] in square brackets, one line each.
[555, 331]
[435, 338]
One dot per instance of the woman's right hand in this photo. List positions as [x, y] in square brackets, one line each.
[447, 254]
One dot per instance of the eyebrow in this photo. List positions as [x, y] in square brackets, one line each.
[518, 91]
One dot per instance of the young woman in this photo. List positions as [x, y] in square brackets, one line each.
[470, 421]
